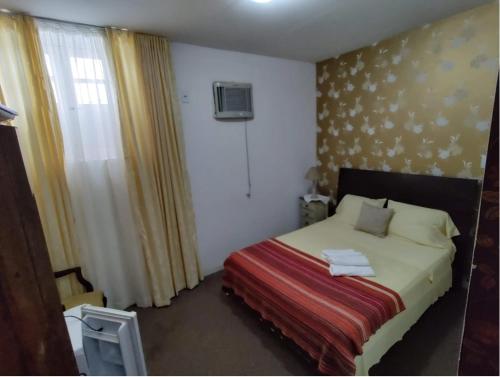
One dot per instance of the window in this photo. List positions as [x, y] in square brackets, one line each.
[48, 64]
[88, 77]
[81, 75]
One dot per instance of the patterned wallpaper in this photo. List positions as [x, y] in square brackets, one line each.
[420, 102]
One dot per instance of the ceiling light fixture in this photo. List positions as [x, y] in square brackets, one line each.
[5, 10]
[262, 1]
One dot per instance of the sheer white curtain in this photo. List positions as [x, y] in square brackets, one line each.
[78, 64]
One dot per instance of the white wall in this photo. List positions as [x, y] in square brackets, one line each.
[282, 144]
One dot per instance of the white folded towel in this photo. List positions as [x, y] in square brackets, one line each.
[6, 113]
[335, 252]
[339, 270]
[347, 257]
[348, 260]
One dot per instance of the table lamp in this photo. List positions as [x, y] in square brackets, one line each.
[313, 176]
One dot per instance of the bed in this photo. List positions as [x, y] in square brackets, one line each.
[418, 274]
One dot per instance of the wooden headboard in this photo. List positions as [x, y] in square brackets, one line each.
[457, 196]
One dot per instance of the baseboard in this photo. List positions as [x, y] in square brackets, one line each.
[213, 270]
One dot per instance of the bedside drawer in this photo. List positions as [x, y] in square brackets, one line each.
[312, 212]
[312, 206]
[306, 222]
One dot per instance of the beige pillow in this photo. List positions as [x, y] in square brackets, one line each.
[426, 226]
[350, 206]
[374, 220]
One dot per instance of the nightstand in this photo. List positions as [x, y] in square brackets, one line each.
[312, 212]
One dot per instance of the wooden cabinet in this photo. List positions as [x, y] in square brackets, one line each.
[479, 353]
[33, 335]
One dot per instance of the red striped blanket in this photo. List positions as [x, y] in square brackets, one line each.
[330, 318]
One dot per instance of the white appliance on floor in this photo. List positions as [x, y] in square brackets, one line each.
[105, 341]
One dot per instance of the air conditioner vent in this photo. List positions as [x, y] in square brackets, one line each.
[232, 100]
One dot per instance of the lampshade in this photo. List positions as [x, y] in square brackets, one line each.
[312, 174]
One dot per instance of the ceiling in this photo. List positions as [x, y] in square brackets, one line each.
[308, 30]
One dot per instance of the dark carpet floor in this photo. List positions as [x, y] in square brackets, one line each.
[205, 332]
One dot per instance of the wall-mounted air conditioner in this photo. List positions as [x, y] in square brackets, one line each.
[232, 100]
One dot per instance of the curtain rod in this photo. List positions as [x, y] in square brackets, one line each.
[8, 12]
[96, 26]
[13, 13]
[75, 23]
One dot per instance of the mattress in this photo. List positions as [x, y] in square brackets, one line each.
[419, 274]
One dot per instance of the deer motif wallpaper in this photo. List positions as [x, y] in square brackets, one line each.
[420, 102]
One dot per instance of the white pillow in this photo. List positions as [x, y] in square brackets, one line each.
[349, 207]
[422, 225]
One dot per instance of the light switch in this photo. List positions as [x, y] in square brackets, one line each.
[185, 97]
[483, 161]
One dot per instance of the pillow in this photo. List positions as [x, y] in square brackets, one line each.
[374, 220]
[426, 226]
[350, 206]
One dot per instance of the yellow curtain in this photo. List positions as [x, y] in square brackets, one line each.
[153, 147]
[26, 88]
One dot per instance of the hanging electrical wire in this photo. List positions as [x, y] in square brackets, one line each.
[249, 178]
